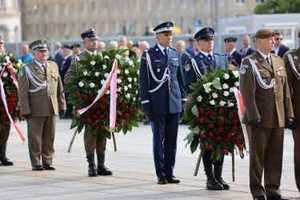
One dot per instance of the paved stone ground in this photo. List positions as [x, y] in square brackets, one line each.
[133, 168]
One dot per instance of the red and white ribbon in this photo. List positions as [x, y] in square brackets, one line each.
[19, 133]
[110, 82]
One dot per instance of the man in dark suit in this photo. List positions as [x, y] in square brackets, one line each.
[246, 50]
[233, 56]
[279, 48]
[161, 96]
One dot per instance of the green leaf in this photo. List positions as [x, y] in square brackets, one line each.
[194, 110]
[194, 145]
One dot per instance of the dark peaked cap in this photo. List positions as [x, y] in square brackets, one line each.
[164, 27]
[205, 33]
[40, 45]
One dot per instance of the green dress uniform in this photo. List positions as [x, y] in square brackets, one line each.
[264, 86]
[93, 139]
[41, 98]
[292, 61]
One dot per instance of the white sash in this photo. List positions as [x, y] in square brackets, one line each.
[260, 81]
[35, 81]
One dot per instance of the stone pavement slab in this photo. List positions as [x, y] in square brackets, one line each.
[133, 168]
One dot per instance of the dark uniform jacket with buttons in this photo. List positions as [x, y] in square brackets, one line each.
[292, 61]
[47, 101]
[267, 108]
[167, 98]
[204, 65]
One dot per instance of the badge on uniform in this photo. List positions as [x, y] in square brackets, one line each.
[243, 69]
[187, 67]
[158, 70]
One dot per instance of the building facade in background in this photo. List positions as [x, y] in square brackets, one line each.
[10, 20]
[65, 19]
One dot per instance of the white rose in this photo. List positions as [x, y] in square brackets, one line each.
[5, 74]
[127, 59]
[104, 66]
[222, 103]
[106, 75]
[226, 93]
[106, 57]
[127, 96]
[207, 87]
[93, 62]
[85, 73]
[129, 79]
[136, 92]
[126, 71]
[231, 90]
[226, 76]
[135, 79]
[92, 85]
[134, 98]
[199, 98]
[118, 56]
[119, 81]
[119, 89]
[97, 74]
[125, 88]
[129, 86]
[214, 95]
[130, 62]
[230, 104]
[80, 84]
[212, 102]
[225, 86]
[207, 90]
[237, 84]
[236, 74]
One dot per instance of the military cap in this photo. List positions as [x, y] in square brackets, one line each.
[75, 45]
[90, 33]
[39, 45]
[206, 33]
[164, 27]
[264, 33]
[67, 46]
[230, 39]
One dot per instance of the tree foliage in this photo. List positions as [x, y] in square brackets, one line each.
[278, 6]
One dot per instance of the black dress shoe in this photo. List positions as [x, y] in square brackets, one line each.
[259, 198]
[162, 181]
[48, 167]
[92, 172]
[275, 197]
[37, 168]
[6, 162]
[104, 171]
[172, 180]
[213, 184]
[223, 183]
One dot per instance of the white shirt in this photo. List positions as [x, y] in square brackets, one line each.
[41, 65]
[265, 56]
[162, 48]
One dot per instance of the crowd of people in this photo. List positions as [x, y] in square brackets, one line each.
[269, 75]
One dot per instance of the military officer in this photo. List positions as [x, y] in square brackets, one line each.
[233, 56]
[41, 98]
[206, 61]
[93, 140]
[4, 126]
[264, 86]
[292, 61]
[161, 95]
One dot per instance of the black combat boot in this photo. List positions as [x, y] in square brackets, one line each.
[212, 183]
[218, 167]
[102, 170]
[4, 160]
[92, 167]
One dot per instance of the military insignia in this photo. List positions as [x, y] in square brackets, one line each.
[158, 70]
[156, 49]
[243, 69]
[187, 67]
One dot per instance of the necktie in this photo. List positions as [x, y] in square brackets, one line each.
[209, 57]
[166, 56]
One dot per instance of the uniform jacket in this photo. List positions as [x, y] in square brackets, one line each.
[294, 83]
[235, 58]
[246, 51]
[47, 101]
[204, 66]
[168, 98]
[265, 107]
